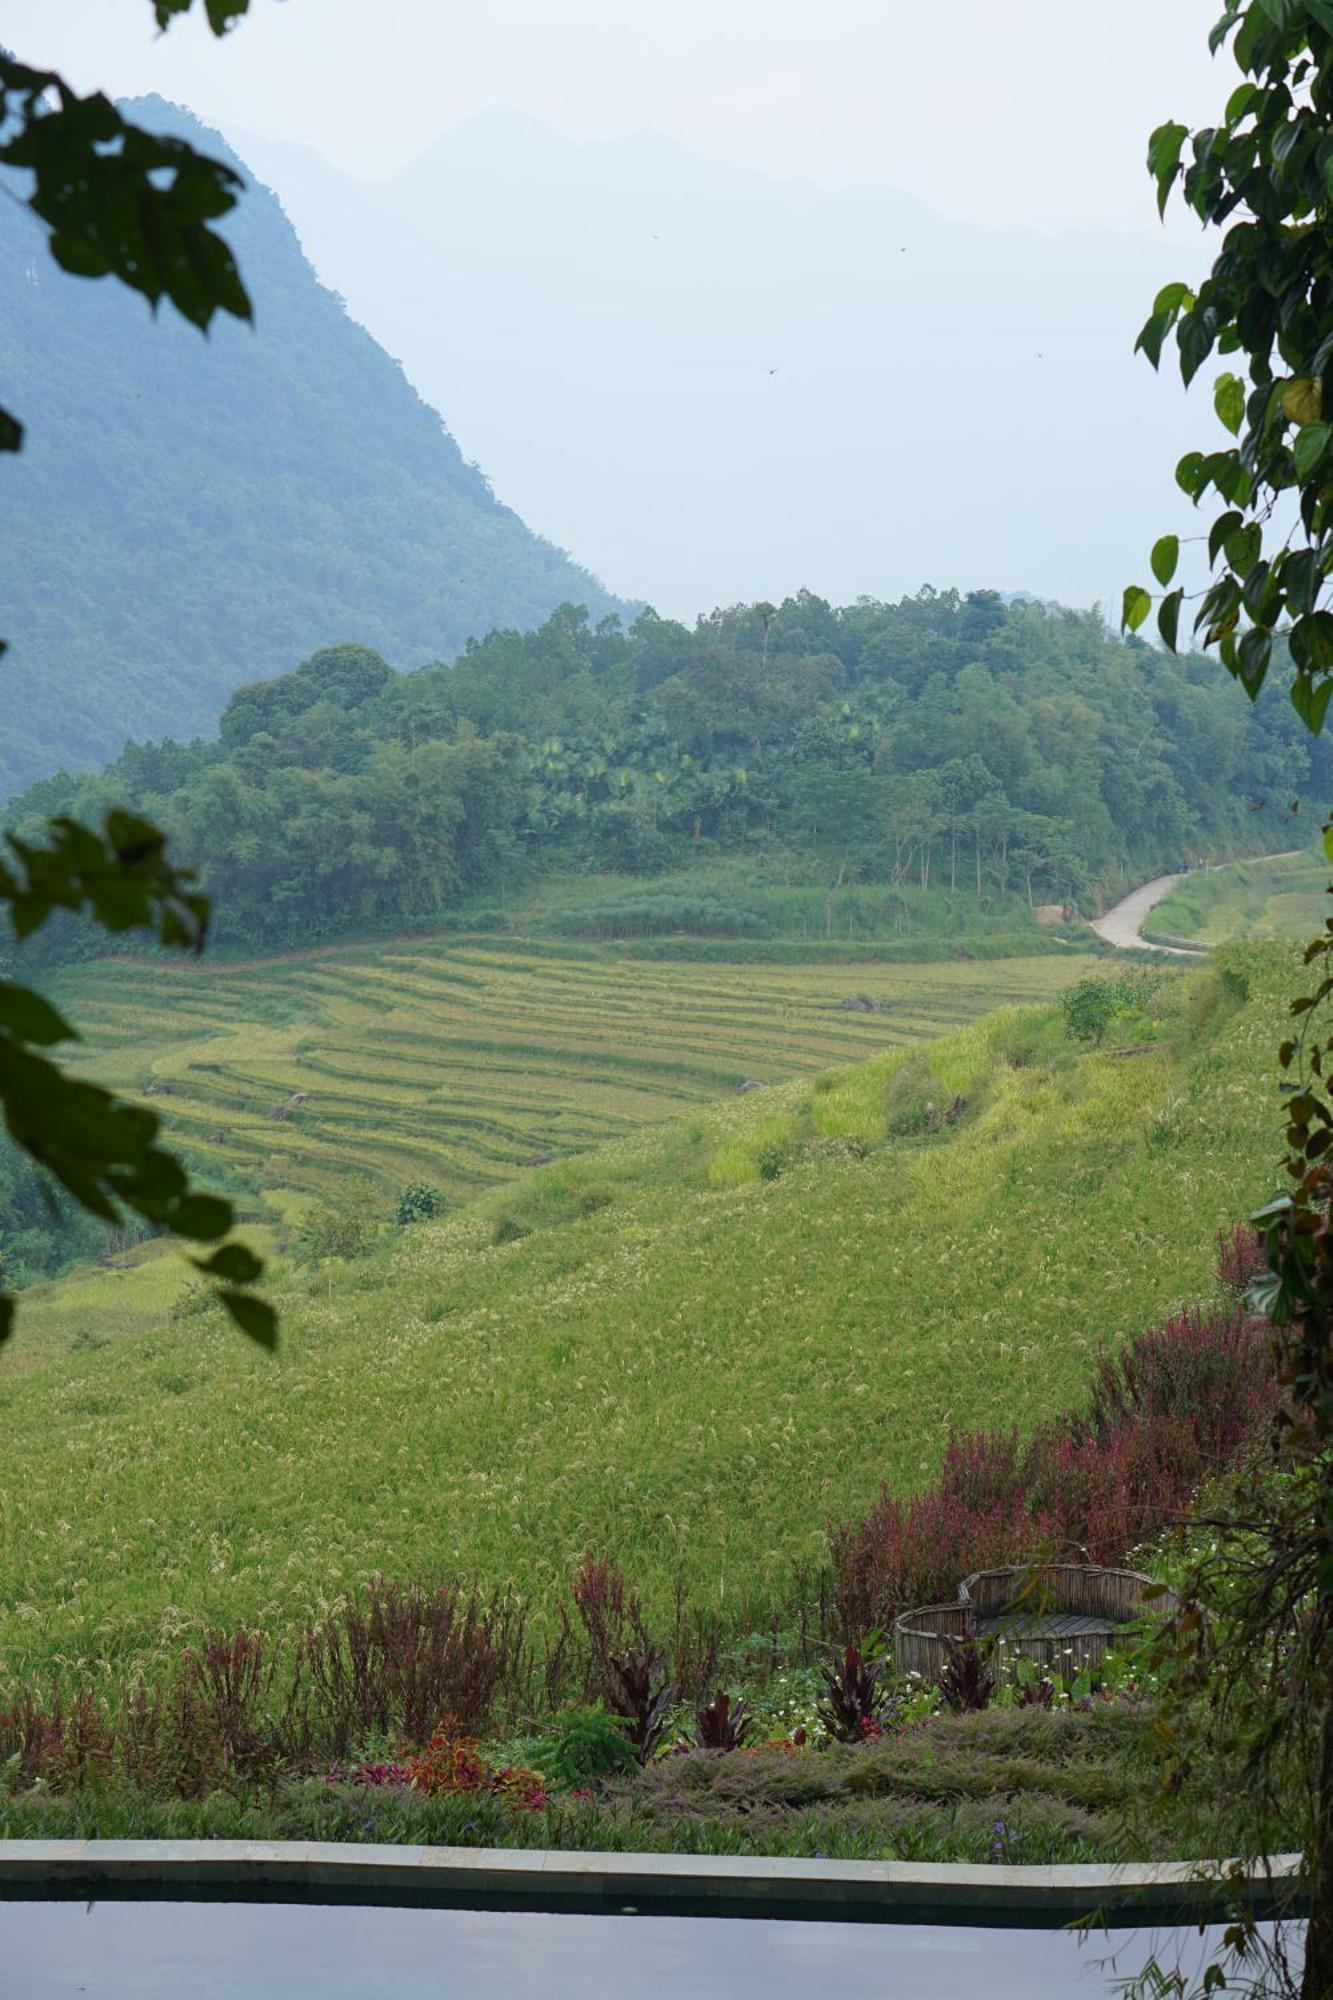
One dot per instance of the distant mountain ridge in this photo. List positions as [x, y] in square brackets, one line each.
[188, 515]
[718, 386]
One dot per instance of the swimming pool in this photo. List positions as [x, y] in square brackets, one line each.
[281, 1951]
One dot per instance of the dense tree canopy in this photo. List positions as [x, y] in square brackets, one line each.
[955, 743]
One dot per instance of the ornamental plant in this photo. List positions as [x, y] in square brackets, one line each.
[453, 1763]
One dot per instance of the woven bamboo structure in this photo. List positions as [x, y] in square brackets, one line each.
[1064, 1617]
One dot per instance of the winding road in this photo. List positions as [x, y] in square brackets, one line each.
[1123, 923]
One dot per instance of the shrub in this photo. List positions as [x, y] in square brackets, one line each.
[393, 1662]
[420, 1201]
[967, 1680]
[343, 1224]
[1088, 1008]
[509, 1229]
[649, 916]
[628, 1665]
[1241, 1257]
[723, 1724]
[855, 1699]
[912, 1102]
[452, 1762]
[581, 1745]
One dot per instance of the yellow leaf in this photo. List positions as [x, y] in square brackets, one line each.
[1303, 400]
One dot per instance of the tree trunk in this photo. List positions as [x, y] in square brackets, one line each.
[1317, 1983]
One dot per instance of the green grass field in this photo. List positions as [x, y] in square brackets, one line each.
[718, 1334]
[1283, 896]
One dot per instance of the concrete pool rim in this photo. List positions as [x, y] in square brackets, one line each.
[595, 1883]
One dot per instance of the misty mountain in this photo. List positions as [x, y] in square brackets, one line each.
[718, 386]
[189, 514]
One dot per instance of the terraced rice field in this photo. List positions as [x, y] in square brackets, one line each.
[464, 1061]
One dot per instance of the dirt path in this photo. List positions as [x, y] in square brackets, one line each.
[1123, 923]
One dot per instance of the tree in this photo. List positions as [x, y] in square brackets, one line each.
[1265, 175]
[120, 202]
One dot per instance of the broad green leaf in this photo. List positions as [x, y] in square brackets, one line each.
[234, 1262]
[203, 1217]
[1252, 657]
[1168, 618]
[11, 432]
[1298, 573]
[1172, 297]
[1310, 701]
[1165, 556]
[1239, 102]
[1243, 548]
[1229, 401]
[1137, 604]
[1310, 641]
[253, 1316]
[1302, 400]
[1223, 528]
[1308, 448]
[1283, 12]
[1152, 334]
[1190, 475]
[1219, 31]
[31, 1018]
[220, 13]
[1194, 337]
[1164, 149]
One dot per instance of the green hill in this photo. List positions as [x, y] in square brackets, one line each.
[939, 765]
[189, 514]
[691, 1348]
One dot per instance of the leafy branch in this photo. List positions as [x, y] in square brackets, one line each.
[1262, 174]
[103, 1151]
[119, 202]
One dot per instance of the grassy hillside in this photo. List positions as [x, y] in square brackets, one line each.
[1285, 895]
[715, 1335]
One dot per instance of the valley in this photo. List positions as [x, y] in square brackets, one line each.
[691, 1346]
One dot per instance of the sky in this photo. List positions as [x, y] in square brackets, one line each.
[1035, 111]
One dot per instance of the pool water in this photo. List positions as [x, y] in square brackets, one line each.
[275, 1951]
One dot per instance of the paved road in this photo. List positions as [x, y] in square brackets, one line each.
[1123, 923]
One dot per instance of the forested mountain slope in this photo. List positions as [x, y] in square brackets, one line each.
[996, 753]
[189, 514]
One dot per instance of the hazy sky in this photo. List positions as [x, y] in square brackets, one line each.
[1036, 111]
